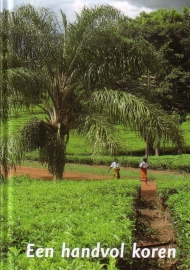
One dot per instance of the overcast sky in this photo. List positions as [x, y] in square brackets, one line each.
[129, 7]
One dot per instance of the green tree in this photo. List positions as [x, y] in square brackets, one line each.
[65, 69]
[58, 66]
[168, 31]
[10, 153]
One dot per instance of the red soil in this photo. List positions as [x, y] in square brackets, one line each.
[43, 174]
[148, 189]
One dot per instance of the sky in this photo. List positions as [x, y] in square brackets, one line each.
[130, 8]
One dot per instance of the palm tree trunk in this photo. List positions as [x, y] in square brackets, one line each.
[157, 149]
[57, 176]
[147, 148]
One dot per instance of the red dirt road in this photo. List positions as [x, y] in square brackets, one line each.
[39, 173]
[148, 189]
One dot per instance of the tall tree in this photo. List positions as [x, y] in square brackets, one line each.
[168, 31]
[64, 68]
[58, 64]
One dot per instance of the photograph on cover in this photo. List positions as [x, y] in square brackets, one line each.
[94, 143]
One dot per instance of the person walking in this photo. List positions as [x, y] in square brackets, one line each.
[115, 165]
[143, 170]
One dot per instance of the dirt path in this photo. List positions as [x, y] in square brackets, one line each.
[39, 173]
[148, 189]
[43, 174]
[158, 230]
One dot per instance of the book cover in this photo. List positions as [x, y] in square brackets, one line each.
[94, 151]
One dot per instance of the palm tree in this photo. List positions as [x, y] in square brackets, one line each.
[66, 69]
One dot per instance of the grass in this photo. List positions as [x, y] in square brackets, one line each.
[79, 150]
[174, 194]
[81, 214]
[17, 119]
[89, 169]
[77, 145]
[130, 173]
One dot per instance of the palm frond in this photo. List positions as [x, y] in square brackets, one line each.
[27, 84]
[122, 108]
[11, 154]
[139, 115]
[101, 134]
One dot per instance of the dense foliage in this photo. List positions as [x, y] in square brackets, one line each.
[168, 31]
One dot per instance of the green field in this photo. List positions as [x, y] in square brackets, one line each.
[83, 213]
[79, 149]
[18, 118]
[80, 214]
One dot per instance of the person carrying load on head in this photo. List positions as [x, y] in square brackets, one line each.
[116, 168]
[143, 170]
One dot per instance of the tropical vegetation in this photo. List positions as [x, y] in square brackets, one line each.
[85, 76]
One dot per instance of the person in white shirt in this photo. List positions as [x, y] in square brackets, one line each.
[116, 168]
[143, 170]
